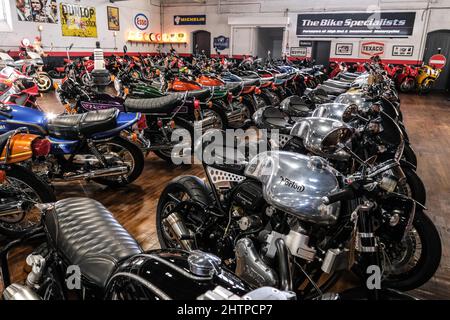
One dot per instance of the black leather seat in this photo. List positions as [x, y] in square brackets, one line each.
[296, 106]
[331, 90]
[201, 95]
[273, 118]
[75, 125]
[85, 234]
[165, 104]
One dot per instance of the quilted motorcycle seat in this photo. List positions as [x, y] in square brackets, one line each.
[73, 126]
[165, 104]
[201, 95]
[86, 234]
[3, 139]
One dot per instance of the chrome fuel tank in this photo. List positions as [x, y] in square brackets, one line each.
[295, 183]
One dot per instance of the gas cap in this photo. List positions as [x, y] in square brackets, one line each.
[203, 264]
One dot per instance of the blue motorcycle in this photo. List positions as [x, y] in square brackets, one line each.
[86, 146]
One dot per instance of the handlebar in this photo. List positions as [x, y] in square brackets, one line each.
[346, 194]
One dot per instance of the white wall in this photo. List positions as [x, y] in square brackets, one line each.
[52, 32]
[218, 14]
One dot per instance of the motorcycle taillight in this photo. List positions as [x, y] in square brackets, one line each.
[40, 147]
[196, 104]
[229, 97]
[142, 122]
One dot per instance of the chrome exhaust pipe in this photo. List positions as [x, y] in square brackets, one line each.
[206, 123]
[174, 223]
[105, 172]
[14, 208]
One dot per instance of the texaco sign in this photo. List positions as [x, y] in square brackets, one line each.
[371, 48]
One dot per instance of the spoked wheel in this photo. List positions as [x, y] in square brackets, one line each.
[182, 188]
[413, 261]
[21, 190]
[44, 82]
[87, 80]
[121, 153]
[171, 149]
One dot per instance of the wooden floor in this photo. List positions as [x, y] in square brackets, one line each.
[427, 120]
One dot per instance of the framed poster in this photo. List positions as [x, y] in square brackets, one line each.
[372, 48]
[402, 51]
[299, 51]
[343, 49]
[44, 11]
[78, 20]
[113, 18]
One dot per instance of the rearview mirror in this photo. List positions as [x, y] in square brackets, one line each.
[71, 46]
[125, 49]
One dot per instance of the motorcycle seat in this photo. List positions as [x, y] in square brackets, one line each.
[164, 104]
[337, 84]
[331, 90]
[87, 235]
[201, 94]
[73, 126]
[296, 106]
[273, 118]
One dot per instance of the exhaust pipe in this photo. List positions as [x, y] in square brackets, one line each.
[207, 123]
[14, 208]
[180, 233]
[106, 172]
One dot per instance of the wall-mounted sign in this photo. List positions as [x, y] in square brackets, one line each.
[221, 43]
[356, 25]
[141, 21]
[343, 49]
[37, 11]
[149, 37]
[113, 18]
[189, 20]
[78, 20]
[302, 43]
[437, 61]
[299, 52]
[372, 48]
[402, 51]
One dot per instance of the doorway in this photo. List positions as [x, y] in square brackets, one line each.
[439, 41]
[201, 42]
[321, 52]
[269, 39]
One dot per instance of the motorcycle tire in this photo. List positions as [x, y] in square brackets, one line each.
[138, 160]
[44, 82]
[410, 155]
[426, 86]
[415, 185]
[429, 260]
[219, 111]
[407, 85]
[42, 190]
[193, 187]
[182, 124]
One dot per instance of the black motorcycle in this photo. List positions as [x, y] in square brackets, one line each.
[292, 221]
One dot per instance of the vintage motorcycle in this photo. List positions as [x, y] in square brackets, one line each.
[115, 271]
[293, 222]
[20, 188]
[83, 146]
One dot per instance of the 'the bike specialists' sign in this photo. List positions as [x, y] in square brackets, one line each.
[372, 48]
[378, 24]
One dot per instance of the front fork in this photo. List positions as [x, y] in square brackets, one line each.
[367, 246]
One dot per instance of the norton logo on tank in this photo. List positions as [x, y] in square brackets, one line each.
[378, 24]
[78, 20]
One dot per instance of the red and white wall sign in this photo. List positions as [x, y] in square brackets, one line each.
[371, 48]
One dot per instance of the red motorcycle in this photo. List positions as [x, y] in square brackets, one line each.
[404, 76]
[16, 88]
